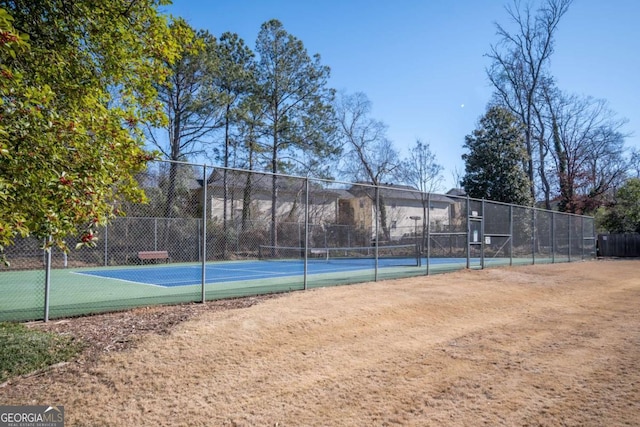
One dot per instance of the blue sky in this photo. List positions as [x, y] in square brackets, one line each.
[421, 62]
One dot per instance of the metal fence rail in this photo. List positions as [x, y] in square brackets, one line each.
[212, 222]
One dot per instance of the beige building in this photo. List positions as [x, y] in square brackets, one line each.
[249, 198]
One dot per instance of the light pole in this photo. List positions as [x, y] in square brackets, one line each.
[415, 233]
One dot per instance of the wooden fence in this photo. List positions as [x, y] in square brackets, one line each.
[619, 245]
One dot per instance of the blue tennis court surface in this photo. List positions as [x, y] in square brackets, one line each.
[187, 275]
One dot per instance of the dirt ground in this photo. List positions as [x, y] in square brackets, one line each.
[543, 345]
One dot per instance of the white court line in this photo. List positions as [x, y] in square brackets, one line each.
[117, 279]
[248, 274]
[178, 283]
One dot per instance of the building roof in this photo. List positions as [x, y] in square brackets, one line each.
[398, 192]
[457, 192]
[264, 182]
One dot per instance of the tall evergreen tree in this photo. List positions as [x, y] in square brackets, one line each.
[233, 80]
[192, 108]
[298, 113]
[494, 164]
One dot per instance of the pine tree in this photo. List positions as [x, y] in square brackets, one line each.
[298, 114]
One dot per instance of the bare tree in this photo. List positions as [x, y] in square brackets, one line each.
[456, 175]
[369, 155]
[634, 163]
[587, 145]
[520, 62]
[421, 171]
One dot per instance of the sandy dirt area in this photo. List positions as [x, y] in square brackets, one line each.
[544, 345]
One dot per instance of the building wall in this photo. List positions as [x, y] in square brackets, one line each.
[327, 208]
[399, 213]
[290, 207]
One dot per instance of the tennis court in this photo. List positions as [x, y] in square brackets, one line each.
[80, 291]
[324, 233]
[189, 275]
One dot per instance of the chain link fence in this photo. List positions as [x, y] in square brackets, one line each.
[208, 233]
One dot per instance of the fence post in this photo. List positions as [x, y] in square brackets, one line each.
[106, 245]
[428, 242]
[510, 235]
[482, 237]
[533, 235]
[569, 237]
[582, 237]
[47, 278]
[306, 231]
[593, 234]
[553, 237]
[468, 233]
[377, 240]
[204, 230]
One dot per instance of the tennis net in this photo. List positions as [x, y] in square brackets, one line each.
[388, 256]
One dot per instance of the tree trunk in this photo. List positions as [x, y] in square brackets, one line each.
[383, 219]
[246, 201]
[173, 168]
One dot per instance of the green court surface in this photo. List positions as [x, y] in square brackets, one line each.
[81, 291]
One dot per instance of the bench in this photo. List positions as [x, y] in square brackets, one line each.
[153, 256]
[320, 253]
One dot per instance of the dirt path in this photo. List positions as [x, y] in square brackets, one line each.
[540, 345]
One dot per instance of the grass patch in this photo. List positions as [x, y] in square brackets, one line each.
[24, 350]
